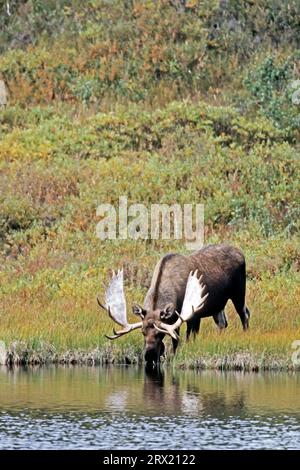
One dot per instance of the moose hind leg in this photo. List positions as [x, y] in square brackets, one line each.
[238, 297]
[243, 312]
[245, 318]
[220, 320]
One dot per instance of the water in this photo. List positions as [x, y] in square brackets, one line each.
[125, 408]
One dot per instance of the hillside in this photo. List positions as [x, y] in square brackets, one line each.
[164, 102]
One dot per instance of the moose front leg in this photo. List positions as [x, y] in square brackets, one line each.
[193, 326]
[175, 343]
[220, 320]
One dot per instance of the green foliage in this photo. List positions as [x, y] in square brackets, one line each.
[163, 105]
[271, 89]
[16, 214]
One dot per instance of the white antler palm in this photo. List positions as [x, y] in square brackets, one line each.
[115, 305]
[193, 302]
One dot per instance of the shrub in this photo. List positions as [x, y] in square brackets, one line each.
[270, 88]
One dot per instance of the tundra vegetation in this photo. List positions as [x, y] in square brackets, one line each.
[161, 101]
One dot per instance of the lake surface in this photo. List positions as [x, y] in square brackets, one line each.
[127, 408]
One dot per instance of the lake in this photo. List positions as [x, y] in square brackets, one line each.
[129, 408]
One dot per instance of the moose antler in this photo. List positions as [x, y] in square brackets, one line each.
[115, 305]
[193, 302]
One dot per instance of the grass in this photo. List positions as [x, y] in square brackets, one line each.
[160, 107]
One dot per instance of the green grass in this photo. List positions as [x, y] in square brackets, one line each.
[161, 107]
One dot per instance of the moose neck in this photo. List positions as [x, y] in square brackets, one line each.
[168, 282]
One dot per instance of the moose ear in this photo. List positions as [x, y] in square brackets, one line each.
[167, 312]
[139, 311]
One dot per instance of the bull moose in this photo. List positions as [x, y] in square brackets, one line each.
[184, 288]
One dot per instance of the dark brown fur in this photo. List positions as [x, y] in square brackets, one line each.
[224, 274]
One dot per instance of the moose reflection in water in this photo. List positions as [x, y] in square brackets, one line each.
[153, 390]
[192, 399]
[125, 389]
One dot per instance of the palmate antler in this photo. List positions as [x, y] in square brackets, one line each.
[115, 305]
[193, 302]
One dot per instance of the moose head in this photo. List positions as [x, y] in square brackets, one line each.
[154, 324]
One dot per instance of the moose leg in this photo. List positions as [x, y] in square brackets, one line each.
[238, 299]
[175, 343]
[220, 320]
[193, 326]
[243, 312]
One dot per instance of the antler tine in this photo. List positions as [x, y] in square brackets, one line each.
[167, 329]
[128, 329]
[100, 304]
[115, 336]
[111, 337]
[107, 309]
[115, 305]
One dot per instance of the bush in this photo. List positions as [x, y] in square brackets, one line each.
[270, 86]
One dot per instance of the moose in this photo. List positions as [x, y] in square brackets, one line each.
[183, 289]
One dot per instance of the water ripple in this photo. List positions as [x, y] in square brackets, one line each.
[100, 409]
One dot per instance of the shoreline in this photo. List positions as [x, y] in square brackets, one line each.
[19, 354]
